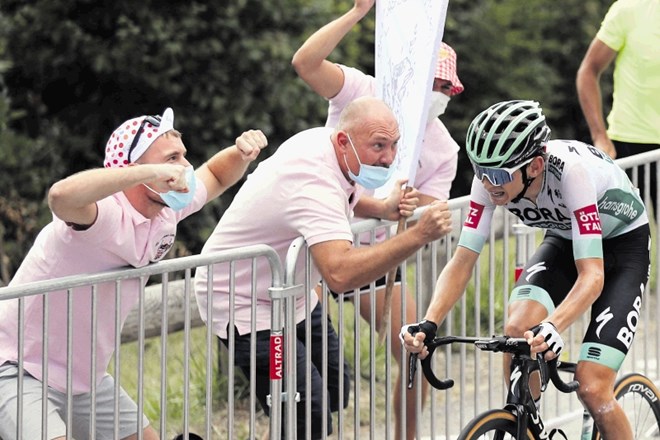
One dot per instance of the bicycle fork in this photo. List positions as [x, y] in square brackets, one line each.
[521, 403]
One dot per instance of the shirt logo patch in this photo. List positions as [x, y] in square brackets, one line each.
[556, 166]
[621, 205]
[588, 220]
[474, 215]
[163, 246]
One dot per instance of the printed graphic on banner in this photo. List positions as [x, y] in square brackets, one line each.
[408, 37]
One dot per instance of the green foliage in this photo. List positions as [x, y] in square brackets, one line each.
[27, 166]
[72, 70]
[224, 68]
[516, 49]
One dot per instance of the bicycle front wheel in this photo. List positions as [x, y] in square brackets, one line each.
[494, 424]
[638, 397]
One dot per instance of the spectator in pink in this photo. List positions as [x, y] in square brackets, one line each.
[437, 162]
[124, 214]
[310, 188]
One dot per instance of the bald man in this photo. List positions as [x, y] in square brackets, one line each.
[309, 188]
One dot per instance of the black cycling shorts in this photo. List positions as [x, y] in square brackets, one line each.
[551, 272]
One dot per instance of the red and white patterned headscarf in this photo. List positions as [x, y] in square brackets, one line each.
[446, 68]
[119, 144]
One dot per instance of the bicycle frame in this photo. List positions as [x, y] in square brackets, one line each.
[519, 397]
[519, 401]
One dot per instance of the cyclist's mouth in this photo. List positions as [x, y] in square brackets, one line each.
[498, 197]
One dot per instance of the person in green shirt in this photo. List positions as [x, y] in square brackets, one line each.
[629, 36]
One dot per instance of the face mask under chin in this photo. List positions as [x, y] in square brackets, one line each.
[369, 176]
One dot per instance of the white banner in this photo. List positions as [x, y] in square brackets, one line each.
[408, 37]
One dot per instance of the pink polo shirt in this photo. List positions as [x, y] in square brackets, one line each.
[298, 191]
[119, 237]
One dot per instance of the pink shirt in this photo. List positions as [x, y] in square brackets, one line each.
[439, 154]
[298, 191]
[119, 237]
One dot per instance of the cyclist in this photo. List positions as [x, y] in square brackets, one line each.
[595, 253]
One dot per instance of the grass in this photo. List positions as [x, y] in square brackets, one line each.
[176, 380]
[197, 381]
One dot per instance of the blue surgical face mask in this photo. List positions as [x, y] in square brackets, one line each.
[179, 200]
[369, 176]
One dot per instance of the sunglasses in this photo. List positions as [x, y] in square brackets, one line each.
[497, 176]
[154, 121]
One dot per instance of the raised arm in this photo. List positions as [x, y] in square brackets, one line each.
[598, 57]
[74, 198]
[310, 61]
[226, 167]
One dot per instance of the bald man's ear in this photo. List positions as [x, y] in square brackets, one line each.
[342, 140]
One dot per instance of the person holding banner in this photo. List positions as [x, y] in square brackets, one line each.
[594, 258]
[308, 188]
[437, 161]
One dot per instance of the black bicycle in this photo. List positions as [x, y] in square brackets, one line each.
[519, 418]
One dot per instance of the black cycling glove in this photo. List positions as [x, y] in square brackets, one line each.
[429, 328]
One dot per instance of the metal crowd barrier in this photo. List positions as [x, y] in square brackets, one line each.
[369, 413]
[159, 373]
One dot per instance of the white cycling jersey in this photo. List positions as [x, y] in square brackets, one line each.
[585, 198]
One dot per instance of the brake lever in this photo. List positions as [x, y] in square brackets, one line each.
[543, 370]
[412, 369]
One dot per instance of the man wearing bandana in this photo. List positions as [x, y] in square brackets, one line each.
[124, 214]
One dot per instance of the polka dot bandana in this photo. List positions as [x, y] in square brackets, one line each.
[446, 68]
[119, 145]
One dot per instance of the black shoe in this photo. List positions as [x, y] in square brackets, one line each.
[191, 436]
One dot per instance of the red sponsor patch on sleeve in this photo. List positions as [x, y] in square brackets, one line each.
[588, 220]
[474, 215]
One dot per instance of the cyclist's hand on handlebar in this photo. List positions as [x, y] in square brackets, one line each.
[544, 338]
[413, 336]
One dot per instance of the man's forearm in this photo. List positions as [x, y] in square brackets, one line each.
[228, 166]
[370, 207]
[451, 284]
[589, 95]
[377, 260]
[90, 186]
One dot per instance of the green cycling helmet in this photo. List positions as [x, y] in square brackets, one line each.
[507, 134]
